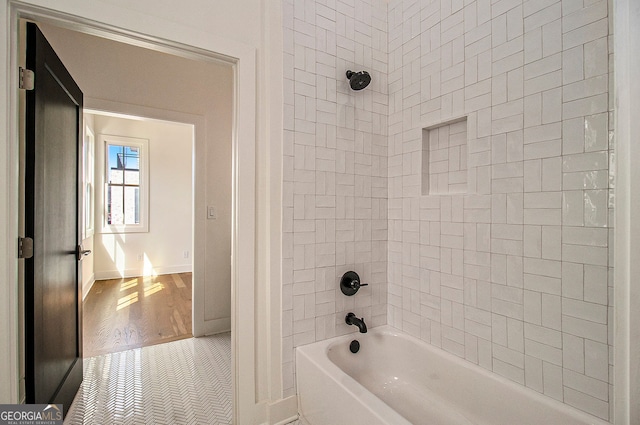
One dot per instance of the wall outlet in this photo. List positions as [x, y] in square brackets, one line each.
[140, 257]
[185, 254]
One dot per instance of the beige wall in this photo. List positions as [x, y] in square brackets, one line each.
[170, 202]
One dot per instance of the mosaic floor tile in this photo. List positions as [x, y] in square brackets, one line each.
[181, 382]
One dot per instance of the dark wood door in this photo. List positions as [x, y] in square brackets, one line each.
[53, 338]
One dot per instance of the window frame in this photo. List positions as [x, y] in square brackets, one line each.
[143, 146]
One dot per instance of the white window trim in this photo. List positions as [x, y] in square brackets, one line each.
[88, 176]
[143, 145]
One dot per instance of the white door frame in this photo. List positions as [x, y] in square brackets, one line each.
[191, 45]
[627, 204]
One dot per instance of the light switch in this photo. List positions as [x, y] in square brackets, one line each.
[212, 213]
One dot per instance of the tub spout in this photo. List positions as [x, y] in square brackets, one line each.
[351, 319]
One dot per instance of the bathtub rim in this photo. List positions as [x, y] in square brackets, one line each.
[317, 353]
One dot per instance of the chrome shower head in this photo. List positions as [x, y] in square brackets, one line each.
[358, 80]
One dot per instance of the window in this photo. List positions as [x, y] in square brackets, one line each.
[126, 184]
[88, 161]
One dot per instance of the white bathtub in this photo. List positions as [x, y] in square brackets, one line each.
[396, 379]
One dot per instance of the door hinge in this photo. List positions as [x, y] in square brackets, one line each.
[26, 79]
[25, 248]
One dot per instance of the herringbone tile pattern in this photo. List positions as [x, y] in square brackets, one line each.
[181, 382]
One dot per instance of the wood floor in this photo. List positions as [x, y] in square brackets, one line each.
[120, 314]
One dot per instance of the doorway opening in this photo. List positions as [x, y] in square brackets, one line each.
[209, 175]
[241, 59]
[138, 225]
[124, 79]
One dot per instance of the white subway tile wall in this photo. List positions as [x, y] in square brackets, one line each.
[444, 159]
[335, 169]
[513, 274]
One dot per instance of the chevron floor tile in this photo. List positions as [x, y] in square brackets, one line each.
[180, 382]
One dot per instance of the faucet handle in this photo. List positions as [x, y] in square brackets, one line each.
[350, 283]
[355, 284]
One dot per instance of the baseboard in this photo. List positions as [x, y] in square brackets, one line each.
[86, 288]
[287, 421]
[283, 411]
[217, 326]
[117, 274]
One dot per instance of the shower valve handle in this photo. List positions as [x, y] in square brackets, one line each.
[355, 284]
[350, 283]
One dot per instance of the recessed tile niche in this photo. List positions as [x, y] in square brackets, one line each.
[444, 158]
